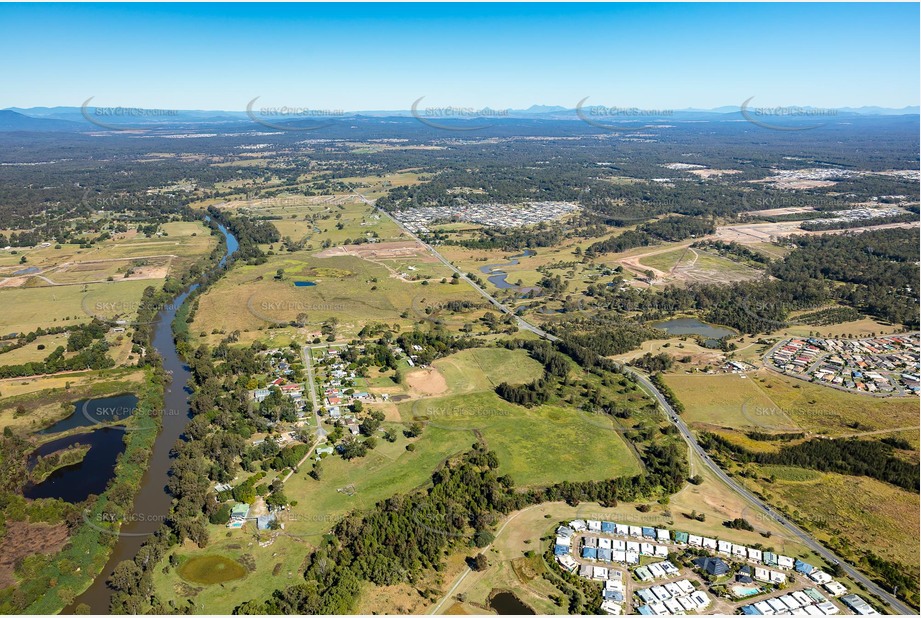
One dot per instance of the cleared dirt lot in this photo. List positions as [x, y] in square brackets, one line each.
[381, 251]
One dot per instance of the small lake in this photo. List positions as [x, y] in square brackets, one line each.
[497, 277]
[692, 326]
[304, 284]
[91, 412]
[507, 604]
[75, 483]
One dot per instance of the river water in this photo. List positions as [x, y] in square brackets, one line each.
[498, 277]
[152, 503]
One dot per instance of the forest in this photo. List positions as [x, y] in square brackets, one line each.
[849, 456]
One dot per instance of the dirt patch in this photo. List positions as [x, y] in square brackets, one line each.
[150, 272]
[379, 250]
[427, 382]
[23, 539]
[13, 282]
[708, 173]
[776, 212]
[391, 413]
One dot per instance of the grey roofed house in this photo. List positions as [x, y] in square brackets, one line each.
[590, 541]
[263, 521]
[713, 566]
[586, 570]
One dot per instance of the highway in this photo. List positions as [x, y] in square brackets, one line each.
[897, 606]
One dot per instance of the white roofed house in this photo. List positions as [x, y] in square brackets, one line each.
[709, 543]
[567, 562]
[662, 536]
[673, 606]
[835, 588]
[740, 551]
[820, 577]
[754, 554]
[725, 547]
[700, 598]
[785, 562]
[695, 541]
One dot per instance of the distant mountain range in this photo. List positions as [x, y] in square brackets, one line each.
[75, 119]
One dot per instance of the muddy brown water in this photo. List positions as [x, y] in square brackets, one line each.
[152, 503]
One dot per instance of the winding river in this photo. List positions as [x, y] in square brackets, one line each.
[499, 277]
[152, 503]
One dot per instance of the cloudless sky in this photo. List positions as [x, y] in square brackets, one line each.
[385, 56]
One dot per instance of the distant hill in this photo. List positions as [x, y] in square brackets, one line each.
[14, 121]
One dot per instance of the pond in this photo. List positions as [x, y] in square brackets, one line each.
[507, 604]
[211, 570]
[91, 412]
[77, 482]
[693, 326]
[304, 284]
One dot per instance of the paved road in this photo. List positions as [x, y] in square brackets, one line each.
[312, 384]
[830, 557]
[762, 507]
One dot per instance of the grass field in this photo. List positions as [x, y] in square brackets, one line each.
[727, 400]
[666, 261]
[851, 513]
[38, 303]
[25, 309]
[535, 446]
[481, 369]
[350, 289]
[766, 401]
[31, 353]
[829, 411]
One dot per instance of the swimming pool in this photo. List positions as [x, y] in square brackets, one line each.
[739, 591]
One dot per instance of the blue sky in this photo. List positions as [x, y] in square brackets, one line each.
[220, 56]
